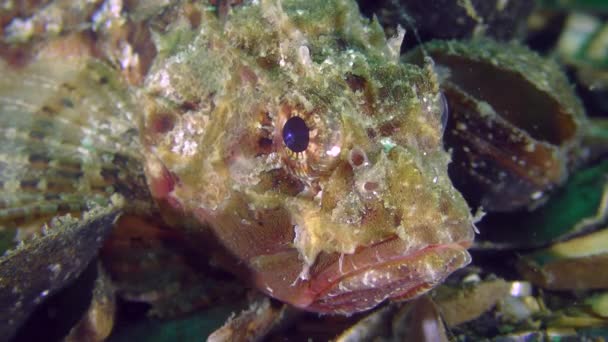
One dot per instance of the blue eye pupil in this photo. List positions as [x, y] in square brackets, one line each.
[296, 134]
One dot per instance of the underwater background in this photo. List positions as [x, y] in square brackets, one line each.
[519, 108]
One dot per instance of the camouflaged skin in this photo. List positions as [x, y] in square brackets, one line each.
[194, 116]
[366, 212]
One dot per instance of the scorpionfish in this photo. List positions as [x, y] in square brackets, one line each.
[286, 132]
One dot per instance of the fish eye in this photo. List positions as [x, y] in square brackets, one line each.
[310, 139]
[296, 134]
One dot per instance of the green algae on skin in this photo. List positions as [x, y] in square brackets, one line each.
[343, 224]
[363, 213]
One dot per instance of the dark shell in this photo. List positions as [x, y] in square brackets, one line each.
[40, 268]
[573, 264]
[578, 207]
[453, 19]
[509, 148]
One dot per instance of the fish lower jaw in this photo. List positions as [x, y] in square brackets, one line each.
[400, 278]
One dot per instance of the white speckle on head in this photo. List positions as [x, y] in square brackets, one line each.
[189, 147]
[128, 57]
[304, 56]
[162, 79]
[107, 14]
[185, 137]
[334, 151]
[20, 30]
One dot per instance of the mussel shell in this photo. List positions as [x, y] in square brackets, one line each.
[573, 264]
[514, 126]
[40, 268]
[417, 320]
[453, 19]
[580, 206]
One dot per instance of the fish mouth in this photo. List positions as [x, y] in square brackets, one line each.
[360, 281]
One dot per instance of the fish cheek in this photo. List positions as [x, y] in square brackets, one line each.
[336, 185]
[279, 181]
[260, 237]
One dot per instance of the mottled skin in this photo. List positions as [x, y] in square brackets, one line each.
[366, 213]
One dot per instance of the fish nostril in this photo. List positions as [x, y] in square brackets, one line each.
[371, 186]
[357, 157]
[162, 123]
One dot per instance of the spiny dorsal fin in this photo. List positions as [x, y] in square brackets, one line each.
[68, 140]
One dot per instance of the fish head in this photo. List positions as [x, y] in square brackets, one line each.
[310, 152]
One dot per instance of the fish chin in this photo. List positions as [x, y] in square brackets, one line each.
[353, 283]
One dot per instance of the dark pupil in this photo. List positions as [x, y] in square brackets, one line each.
[295, 134]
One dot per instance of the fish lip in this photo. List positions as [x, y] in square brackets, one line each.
[329, 294]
